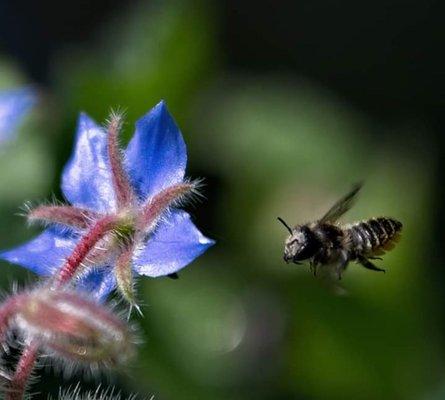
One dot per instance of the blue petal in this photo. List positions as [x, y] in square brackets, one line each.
[86, 179]
[98, 283]
[156, 155]
[44, 254]
[14, 104]
[174, 244]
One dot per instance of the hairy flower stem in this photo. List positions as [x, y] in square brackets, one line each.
[8, 310]
[124, 275]
[85, 245]
[25, 365]
[23, 372]
[122, 188]
[65, 215]
[160, 202]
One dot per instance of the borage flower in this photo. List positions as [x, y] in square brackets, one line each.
[123, 221]
[14, 104]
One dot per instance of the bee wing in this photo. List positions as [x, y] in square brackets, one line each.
[328, 278]
[343, 205]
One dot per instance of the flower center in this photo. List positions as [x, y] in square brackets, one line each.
[126, 227]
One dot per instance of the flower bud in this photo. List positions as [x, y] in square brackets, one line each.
[101, 393]
[74, 327]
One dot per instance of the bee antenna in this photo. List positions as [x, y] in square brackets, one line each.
[284, 223]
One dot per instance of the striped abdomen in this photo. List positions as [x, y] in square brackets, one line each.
[374, 236]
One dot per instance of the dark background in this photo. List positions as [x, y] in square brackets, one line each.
[365, 80]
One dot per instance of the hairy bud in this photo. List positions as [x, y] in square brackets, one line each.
[101, 393]
[74, 327]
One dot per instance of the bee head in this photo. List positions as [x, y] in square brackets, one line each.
[300, 245]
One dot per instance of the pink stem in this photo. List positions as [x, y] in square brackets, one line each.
[8, 310]
[121, 183]
[160, 202]
[65, 215]
[23, 372]
[85, 245]
[18, 383]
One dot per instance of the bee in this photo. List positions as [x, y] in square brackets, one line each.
[326, 242]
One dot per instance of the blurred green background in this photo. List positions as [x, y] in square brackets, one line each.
[282, 108]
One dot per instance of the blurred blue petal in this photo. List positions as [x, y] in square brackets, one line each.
[86, 179]
[98, 283]
[156, 155]
[43, 255]
[14, 104]
[174, 244]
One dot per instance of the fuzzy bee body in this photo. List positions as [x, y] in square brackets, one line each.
[325, 242]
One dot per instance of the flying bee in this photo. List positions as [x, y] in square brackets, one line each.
[326, 242]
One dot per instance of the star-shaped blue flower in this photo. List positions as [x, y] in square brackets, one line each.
[126, 201]
[14, 105]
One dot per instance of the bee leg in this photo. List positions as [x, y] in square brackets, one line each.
[344, 261]
[375, 258]
[369, 265]
[313, 266]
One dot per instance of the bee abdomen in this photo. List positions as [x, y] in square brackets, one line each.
[375, 236]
